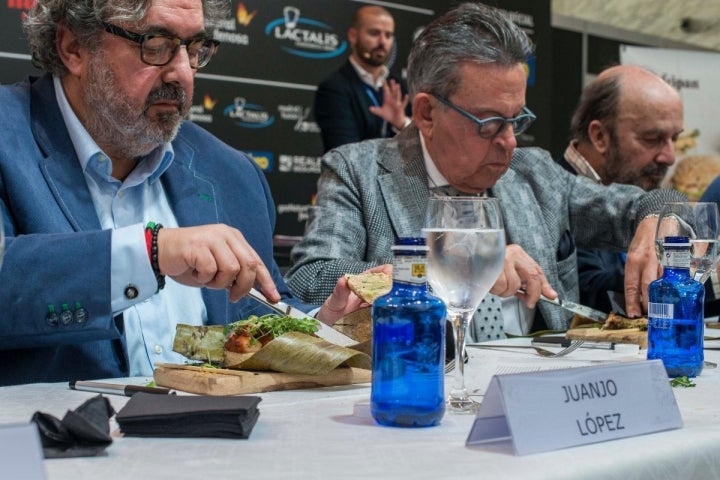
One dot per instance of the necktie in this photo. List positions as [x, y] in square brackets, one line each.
[487, 323]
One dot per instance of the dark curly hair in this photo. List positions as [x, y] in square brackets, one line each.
[85, 18]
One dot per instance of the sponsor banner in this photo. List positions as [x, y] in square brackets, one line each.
[257, 93]
[696, 76]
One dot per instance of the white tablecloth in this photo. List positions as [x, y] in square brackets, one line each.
[313, 434]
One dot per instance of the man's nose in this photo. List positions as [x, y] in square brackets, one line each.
[666, 155]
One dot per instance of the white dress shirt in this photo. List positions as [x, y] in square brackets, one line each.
[517, 318]
[125, 208]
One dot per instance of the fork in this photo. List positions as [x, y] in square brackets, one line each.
[560, 353]
[574, 345]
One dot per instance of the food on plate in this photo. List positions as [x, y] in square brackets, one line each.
[615, 321]
[369, 286]
[266, 343]
[250, 335]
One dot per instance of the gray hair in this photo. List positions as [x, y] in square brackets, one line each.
[470, 32]
[84, 18]
[599, 101]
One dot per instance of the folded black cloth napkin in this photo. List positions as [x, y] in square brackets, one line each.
[148, 415]
[83, 432]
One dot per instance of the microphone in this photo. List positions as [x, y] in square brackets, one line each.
[366, 55]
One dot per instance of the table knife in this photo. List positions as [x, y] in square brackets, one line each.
[581, 310]
[326, 332]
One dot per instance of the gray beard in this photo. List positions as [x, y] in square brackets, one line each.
[116, 126]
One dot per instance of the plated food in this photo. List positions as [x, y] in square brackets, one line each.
[271, 342]
[250, 335]
[615, 321]
[616, 329]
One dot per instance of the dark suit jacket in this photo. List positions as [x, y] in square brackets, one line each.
[342, 109]
[57, 253]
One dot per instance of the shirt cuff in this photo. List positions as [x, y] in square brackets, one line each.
[131, 276]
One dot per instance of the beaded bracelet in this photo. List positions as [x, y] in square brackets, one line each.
[151, 232]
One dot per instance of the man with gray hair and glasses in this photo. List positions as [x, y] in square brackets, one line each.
[115, 208]
[467, 82]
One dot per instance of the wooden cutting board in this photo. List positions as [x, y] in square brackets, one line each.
[629, 335]
[220, 381]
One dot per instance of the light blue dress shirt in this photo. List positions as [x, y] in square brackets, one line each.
[125, 208]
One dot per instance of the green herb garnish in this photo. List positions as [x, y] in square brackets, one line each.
[682, 382]
[273, 324]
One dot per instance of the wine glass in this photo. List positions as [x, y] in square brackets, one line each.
[699, 221]
[466, 251]
[2, 243]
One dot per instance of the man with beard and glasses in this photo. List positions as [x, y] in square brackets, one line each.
[467, 80]
[361, 100]
[115, 208]
[623, 131]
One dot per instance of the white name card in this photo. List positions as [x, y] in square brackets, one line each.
[21, 455]
[556, 409]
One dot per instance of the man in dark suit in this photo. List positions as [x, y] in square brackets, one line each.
[95, 157]
[623, 131]
[361, 100]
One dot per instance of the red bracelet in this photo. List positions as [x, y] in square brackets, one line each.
[148, 239]
[151, 231]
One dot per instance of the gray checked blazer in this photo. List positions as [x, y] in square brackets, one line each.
[373, 191]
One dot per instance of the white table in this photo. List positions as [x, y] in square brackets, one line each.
[313, 434]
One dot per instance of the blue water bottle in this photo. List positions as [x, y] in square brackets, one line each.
[675, 313]
[408, 355]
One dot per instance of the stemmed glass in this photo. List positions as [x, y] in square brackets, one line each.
[2, 243]
[466, 242]
[700, 222]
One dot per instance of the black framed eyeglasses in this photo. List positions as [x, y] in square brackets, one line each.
[491, 127]
[159, 50]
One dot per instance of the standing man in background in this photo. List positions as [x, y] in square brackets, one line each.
[623, 131]
[361, 100]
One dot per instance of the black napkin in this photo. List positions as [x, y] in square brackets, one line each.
[84, 432]
[148, 415]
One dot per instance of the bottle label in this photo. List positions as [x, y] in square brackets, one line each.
[677, 258]
[661, 310]
[410, 269]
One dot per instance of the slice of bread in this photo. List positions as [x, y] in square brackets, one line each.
[369, 286]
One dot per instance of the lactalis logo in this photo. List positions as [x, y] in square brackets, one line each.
[248, 115]
[305, 37]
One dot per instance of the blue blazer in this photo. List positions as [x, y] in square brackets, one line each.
[342, 105]
[57, 253]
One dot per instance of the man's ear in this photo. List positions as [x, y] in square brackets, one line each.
[423, 109]
[352, 35]
[599, 136]
[69, 49]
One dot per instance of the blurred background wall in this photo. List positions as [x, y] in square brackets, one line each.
[257, 93]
